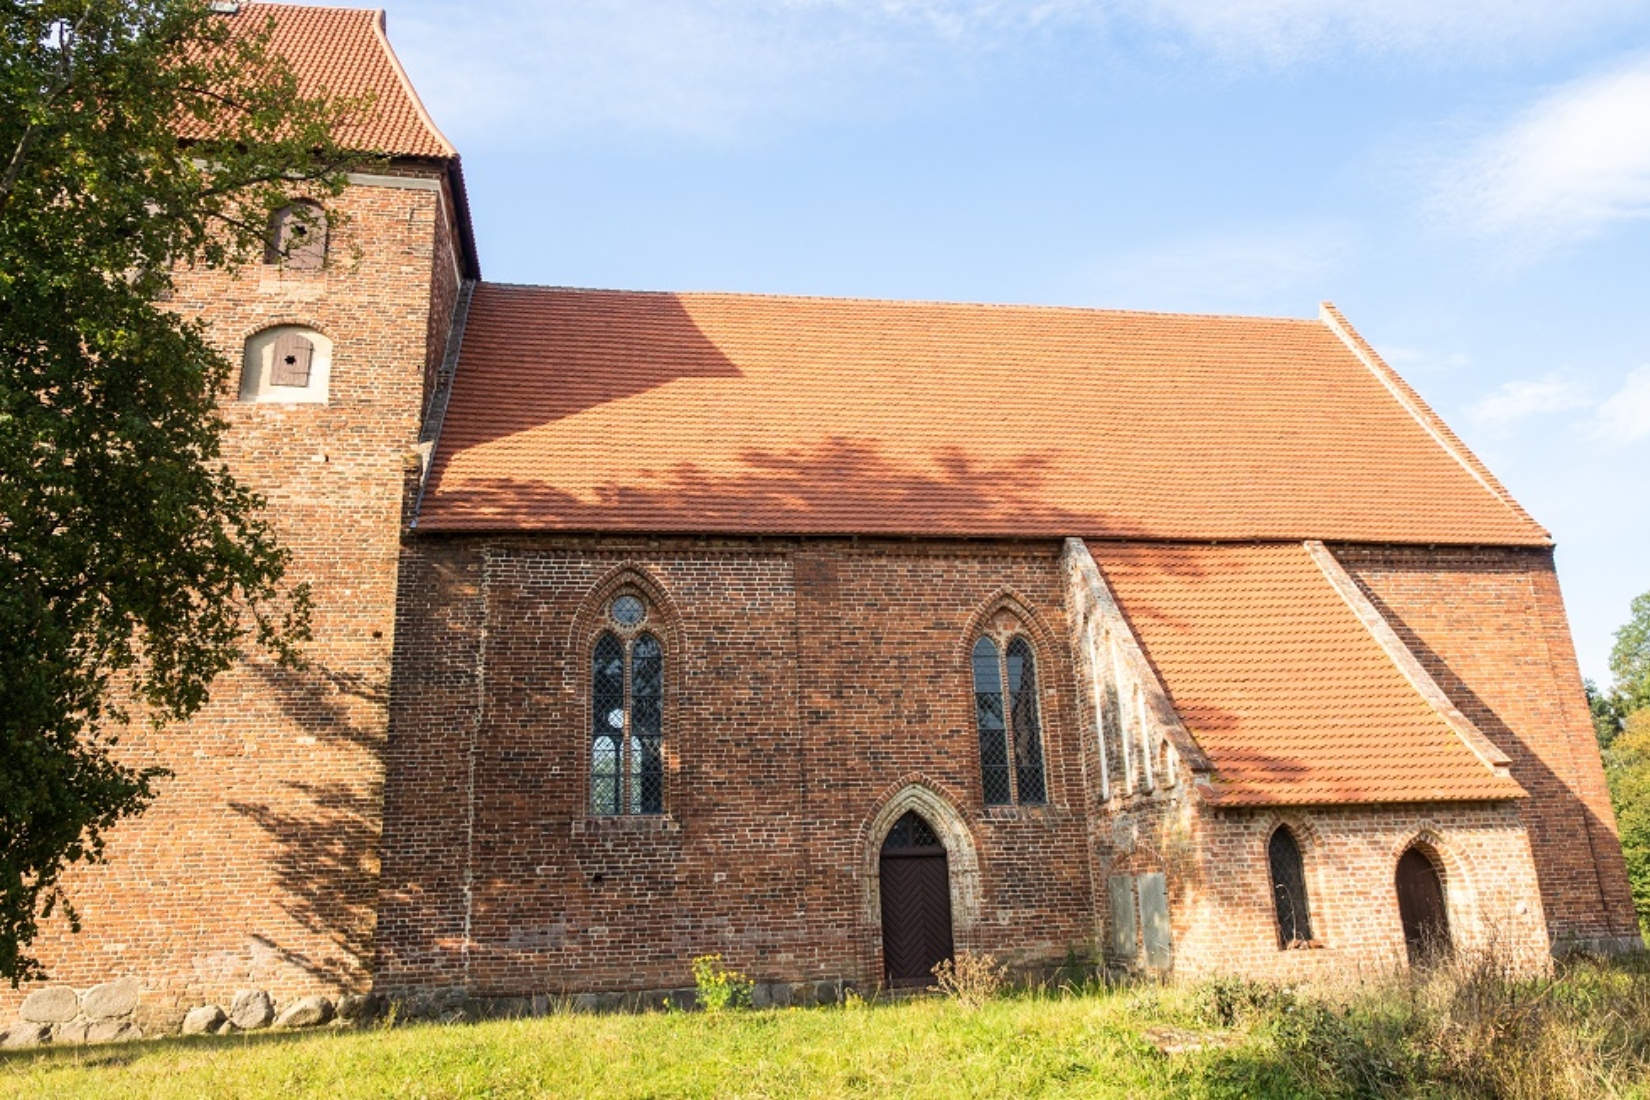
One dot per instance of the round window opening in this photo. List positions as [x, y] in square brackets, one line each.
[627, 610]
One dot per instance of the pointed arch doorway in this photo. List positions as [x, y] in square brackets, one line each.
[915, 884]
[1421, 908]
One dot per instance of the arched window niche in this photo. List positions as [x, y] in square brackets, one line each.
[1289, 900]
[1008, 718]
[627, 676]
[286, 364]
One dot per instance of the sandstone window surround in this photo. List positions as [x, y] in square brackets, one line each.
[627, 676]
[286, 364]
[1007, 713]
[297, 237]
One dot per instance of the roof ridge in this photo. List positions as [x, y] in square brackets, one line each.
[863, 300]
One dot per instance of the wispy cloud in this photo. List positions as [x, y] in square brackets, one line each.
[1624, 416]
[1515, 401]
[1572, 164]
[709, 67]
[1280, 271]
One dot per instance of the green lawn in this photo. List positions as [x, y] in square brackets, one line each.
[1582, 1033]
[1081, 1046]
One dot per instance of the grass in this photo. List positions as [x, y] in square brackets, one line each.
[1468, 1033]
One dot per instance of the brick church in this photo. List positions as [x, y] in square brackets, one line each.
[836, 636]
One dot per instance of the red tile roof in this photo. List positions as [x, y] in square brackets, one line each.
[1283, 687]
[609, 410]
[345, 53]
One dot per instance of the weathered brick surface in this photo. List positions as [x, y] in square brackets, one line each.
[1488, 624]
[1219, 883]
[257, 864]
[807, 682]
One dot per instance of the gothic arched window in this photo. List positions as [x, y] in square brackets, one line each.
[1283, 856]
[1005, 702]
[627, 675]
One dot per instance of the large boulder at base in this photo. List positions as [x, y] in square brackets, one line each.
[306, 1012]
[25, 1034]
[359, 1008]
[56, 1004]
[72, 1032]
[112, 1031]
[205, 1020]
[111, 1000]
[251, 1010]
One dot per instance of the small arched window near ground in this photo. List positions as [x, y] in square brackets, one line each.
[1005, 700]
[1289, 888]
[297, 237]
[1422, 909]
[287, 363]
[627, 674]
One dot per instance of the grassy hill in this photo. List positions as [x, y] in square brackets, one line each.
[1585, 1033]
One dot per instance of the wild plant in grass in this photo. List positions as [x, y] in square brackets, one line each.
[971, 979]
[717, 988]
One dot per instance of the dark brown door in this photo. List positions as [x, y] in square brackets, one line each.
[1421, 908]
[916, 903]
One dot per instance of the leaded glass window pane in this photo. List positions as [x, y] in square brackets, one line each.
[604, 775]
[1289, 888]
[988, 710]
[607, 720]
[1028, 733]
[911, 831]
[647, 772]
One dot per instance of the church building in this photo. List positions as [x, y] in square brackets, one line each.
[835, 636]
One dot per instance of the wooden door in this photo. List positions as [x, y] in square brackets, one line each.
[1421, 908]
[916, 903]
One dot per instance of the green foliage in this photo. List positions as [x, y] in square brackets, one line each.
[719, 989]
[1606, 711]
[1628, 772]
[1630, 657]
[132, 565]
[1626, 708]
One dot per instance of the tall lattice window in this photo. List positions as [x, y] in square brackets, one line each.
[1005, 704]
[627, 675]
[1289, 888]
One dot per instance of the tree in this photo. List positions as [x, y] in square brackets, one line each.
[1627, 752]
[1630, 657]
[135, 135]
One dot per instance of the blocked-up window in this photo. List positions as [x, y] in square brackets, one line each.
[298, 237]
[287, 363]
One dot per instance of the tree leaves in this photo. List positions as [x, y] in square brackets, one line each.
[136, 136]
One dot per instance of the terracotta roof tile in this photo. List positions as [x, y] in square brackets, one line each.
[345, 52]
[610, 410]
[1287, 692]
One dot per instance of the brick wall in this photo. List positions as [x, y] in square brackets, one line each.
[807, 684]
[256, 866]
[1224, 919]
[1489, 626]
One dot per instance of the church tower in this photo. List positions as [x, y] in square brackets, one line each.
[256, 867]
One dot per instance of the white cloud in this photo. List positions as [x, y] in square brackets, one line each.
[1515, 401]
[1624, 416]
[1279, 272]
[708, 67]
[1569, 166]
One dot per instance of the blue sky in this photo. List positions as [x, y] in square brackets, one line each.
[1469, 182]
